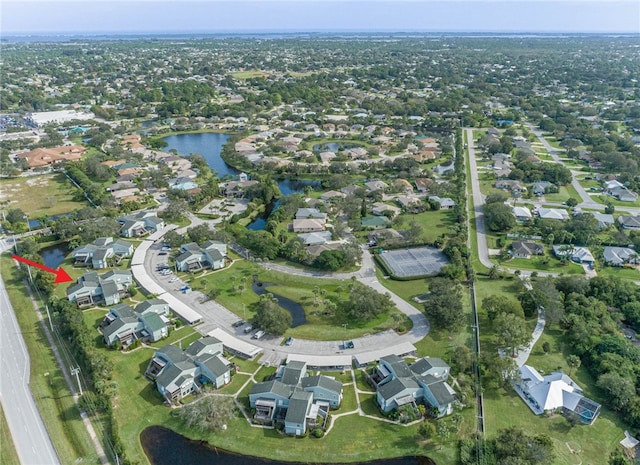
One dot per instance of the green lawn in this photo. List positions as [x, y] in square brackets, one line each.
[8, 454]
[37, 196]
[544, 263]
[297, 288]
[434, 223]
[563, 194]
[249, 74]
[52, 396]
[631, 274]
[348, 400]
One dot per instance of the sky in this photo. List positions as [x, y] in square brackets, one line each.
[179, 16]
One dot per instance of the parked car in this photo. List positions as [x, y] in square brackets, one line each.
[247, 329]
[238, 323]
[289, 341]
[162, 253]
[258, 335]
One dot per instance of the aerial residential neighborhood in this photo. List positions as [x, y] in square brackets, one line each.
[327, 248]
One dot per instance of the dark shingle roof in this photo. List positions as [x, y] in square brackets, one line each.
[275, 387]
[298, 406]
[396, 386]
[324, 382]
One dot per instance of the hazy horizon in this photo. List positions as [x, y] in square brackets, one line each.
[100, 17]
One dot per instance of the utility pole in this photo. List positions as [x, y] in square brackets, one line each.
[49, 316]
[76, 371]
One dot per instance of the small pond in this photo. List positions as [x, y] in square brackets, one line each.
[165, 447]
[294, 308]
[54, 255]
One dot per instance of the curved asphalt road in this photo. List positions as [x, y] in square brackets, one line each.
[214, 315]
[29, 434]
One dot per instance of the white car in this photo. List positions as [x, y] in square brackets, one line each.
[174, 279]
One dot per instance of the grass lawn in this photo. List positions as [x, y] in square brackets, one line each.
[404, 289]
[297, 288]
[361, 381]
[631, 274]
[563, 194]
[434, 223]
[348, 400]
[543, 263]
[37, 196]
[8, 454]
[234, 386]
[249, 74]
[52, 396]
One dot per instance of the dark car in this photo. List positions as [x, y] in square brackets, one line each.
[238, 323]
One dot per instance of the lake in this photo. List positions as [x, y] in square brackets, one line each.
[207, 144]
[165, 447]
[54, 255]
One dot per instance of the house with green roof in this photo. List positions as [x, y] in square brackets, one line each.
[294, 398]
[374, 222]
[178, 373]
[423, 382]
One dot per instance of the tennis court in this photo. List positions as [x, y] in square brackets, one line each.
[422, 261]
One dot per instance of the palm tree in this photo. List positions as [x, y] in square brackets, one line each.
[574, 362]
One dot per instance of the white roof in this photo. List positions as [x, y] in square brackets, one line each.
[375, 355]
[235, 344]
[553, 213]
[321, 360]
[629, 441]
[522, 212]
[553, 391]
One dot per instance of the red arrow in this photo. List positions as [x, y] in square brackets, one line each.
[61, 275]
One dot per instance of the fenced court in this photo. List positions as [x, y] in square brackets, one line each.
[421, 261]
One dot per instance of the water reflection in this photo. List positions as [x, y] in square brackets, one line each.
[165, 447]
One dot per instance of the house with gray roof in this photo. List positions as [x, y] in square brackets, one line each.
[158, 306]
[140, 223]
[580, 255]
[605, 220]
[619, 256]
[97, 253]
[194, 257]
[445, 203]
[525, 249]
[295, 420]
[124, 325]
[310, 213]
[109, 288]
[398, 384]
[177, 373]
[296, 398]
[315, 238]
[629, 222]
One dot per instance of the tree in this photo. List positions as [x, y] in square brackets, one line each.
[211, 413]
[619, 391]
[331, 260]
[426, 430]
[175, 211]
[498, 217]
[443, 307]
[363, 304]
[512, 332]
[271, 317]
[574, 362]
[571, 202]
[495, 305]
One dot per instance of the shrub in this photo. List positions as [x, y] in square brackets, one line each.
[317, 433]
